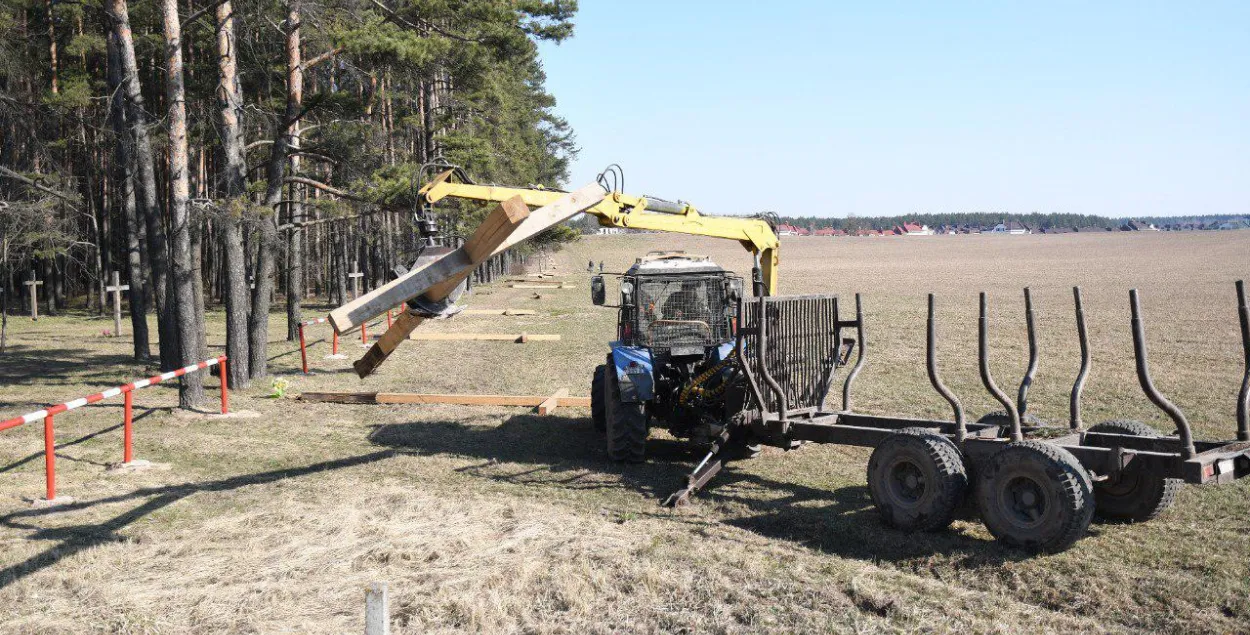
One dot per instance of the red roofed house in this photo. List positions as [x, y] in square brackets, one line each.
[913, 229]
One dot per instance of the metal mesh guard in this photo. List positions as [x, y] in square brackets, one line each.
[799, 348]
[682, 312]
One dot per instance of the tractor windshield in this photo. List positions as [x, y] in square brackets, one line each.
[682, 312]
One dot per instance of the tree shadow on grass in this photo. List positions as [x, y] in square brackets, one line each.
[75, 538]
[566, 453]
[22, 364]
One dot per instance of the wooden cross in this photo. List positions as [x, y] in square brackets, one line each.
[116, 289]
[34, 295]
[356, 280]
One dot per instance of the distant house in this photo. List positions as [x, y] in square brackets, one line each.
[1137, 226]
[1059, 229]
[1233, 224]
[828, 231]
[1012, 227]
[913, 229]
[787, 230]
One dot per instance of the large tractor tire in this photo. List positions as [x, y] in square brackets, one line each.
[598, 392]
[626, 424]
[1135, 495]
[1000, 417]
[917, 480]
[1035, 496]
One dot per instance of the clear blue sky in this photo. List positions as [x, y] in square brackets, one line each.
[882, 108]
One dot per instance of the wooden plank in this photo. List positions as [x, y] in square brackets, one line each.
[562, 209]
[494, 231]
[519, 338]
[340, 397]
[551, 403]
[509, 312]
[433, 398]
[377, 610]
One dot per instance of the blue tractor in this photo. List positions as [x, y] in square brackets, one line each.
[671, 363]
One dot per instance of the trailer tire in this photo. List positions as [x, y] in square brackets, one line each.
[1000, 417]
[597, 398]
[1136, 495]
[626, 425]
[917, 480]
[1035, 496]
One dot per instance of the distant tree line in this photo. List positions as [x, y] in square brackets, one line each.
[1035, 220]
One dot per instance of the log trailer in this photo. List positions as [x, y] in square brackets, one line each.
[696, 355]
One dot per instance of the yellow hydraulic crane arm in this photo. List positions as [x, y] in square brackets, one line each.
[632, 212]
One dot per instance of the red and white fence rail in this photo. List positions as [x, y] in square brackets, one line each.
[48, 414]
[334, 346]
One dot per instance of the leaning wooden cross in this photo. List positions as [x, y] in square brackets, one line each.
[116, 289]
[356, 276]
[34, 295]
[506, 226]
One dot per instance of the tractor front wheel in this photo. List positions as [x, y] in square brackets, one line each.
[1135, 495]
[598, 393]
[917, 480]
[626, 424]
[1035, 496]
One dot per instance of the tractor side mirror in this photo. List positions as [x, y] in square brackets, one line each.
[598, 292]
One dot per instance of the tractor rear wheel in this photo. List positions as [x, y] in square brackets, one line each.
[1135, 495]
[626, 424]
[917, 480]
[1036, 496]
[597, 398]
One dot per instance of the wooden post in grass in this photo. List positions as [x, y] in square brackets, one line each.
[116, 289]
[377, 610]
[33, 284]
[508, 225]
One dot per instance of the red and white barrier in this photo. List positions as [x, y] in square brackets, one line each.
[49, 435]
[334, 346]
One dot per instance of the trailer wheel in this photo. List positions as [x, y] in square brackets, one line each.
[917, 480]
[597, 393]
[1035, 496]
[1000, 417]
[626, 424]
[1136, 495]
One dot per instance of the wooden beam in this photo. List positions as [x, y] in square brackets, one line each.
[436, 280]
[510, 312]
[453, 399]
[551, 403]
[493, 231]
[519, 338]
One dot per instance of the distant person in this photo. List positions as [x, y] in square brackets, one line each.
[590, 265]
[600, 266]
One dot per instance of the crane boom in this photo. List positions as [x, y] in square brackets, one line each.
[633, 212]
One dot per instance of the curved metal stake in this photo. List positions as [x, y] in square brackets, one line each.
[1022, 399]
[1086, 360]
[983, 356]
[1147, 385]
[961, 428]
[1243, 399]
[859, 361]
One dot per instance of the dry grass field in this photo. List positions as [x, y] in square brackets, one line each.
[498, 520]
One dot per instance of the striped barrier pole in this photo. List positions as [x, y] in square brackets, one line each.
[364, 335]
[48, 415]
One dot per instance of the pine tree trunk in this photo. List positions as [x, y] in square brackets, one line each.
[124, 168]
[146, 186]
[233, 186]
[190, 324]
[259, 324]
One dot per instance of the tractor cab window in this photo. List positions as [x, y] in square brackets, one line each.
[681, 311]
